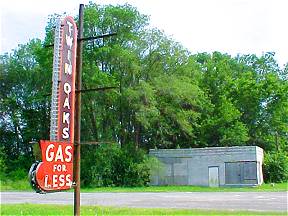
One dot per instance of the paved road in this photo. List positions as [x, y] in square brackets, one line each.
[254, 201]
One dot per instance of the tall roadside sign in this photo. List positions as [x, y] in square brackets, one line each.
[55, 171]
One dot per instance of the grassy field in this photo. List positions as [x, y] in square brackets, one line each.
[15, 185]
[171, 188]
[23, 185]
[31, 209]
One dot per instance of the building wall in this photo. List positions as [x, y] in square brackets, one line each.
[191, 166]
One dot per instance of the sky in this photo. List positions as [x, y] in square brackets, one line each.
[229, 26]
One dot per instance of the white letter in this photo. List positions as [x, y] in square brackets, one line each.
[46, 181]
[59, 154]
[68, 180]
[61, 179]
[66, 103]
[68, 69]
[49, 158]
[69, 56]
[65, 134]
[69, 41]
[54, 181]
[66, 118]
[70, 27]
[67, 88]
[68, 153]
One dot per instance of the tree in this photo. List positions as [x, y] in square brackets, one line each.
[222, 125]
[262, 96]
[23, 107]
[162, 95]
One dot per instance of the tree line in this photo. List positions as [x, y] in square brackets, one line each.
[163, 96]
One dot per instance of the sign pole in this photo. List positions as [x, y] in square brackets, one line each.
[78, 113]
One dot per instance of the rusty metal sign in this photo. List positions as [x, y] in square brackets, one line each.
[63, 87]
[55, 171]
[67, 81]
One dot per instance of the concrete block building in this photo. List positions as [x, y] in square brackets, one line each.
[214, 166]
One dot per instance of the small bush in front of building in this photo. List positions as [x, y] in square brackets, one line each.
[110, 165]
[276, 167]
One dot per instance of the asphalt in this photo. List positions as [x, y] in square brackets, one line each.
[253, 201]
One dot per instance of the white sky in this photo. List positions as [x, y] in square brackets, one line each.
[231, 26]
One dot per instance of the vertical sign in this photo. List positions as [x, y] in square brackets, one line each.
[63, 87]
[67, 81]
[55, 172]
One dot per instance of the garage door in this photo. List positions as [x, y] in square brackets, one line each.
[241, 172]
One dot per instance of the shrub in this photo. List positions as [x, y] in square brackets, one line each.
[18, 174]
[276, 167]
[115, 166]
[2, 165]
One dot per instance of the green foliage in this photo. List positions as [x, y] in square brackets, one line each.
[276, 167]
[163, 97]
[2, 165]
[18, 174]
[113, 166]
[221, 125]
[172, 104]
[23, 107]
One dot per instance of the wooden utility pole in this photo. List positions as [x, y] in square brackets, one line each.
[78, 88]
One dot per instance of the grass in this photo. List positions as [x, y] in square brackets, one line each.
[177, 188]
[23, 185]
[33, 209]
[15, 185]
